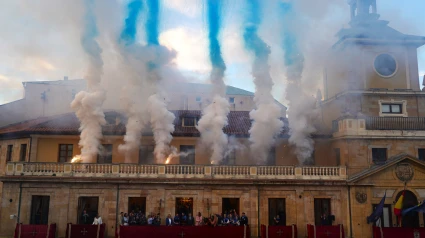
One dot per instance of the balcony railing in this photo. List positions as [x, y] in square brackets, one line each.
[175, 171]
[395, 123]
[379, 123]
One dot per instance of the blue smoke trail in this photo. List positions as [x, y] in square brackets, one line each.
[292, 53]
[128, 34]
[214, 25]
[252, 41]
[152, 34]
[88, 42]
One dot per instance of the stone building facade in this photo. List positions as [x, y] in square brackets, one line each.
[370, 143]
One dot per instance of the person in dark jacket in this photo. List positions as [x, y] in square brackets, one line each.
[244, 219]
[190, 220]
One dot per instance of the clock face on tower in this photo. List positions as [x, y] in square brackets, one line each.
[385, 65]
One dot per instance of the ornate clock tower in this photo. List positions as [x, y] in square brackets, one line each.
[370, 56]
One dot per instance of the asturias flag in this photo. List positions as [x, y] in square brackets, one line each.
[418, 208]
[399, 205]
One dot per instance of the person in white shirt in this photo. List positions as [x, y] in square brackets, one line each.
[97, 220]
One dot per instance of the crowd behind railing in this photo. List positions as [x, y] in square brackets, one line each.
[224, 219]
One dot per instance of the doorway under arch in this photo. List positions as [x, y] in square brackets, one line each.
[411, 219]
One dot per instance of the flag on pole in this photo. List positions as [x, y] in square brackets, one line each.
[377, 213]
[399, 205]
[419, 208]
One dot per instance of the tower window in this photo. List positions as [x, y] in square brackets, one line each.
[231, 100]
[198, 99]
[392, 108]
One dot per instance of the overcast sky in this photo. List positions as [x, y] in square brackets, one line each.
[40, 39]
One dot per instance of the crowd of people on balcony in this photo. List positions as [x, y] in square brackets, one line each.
[225, 219]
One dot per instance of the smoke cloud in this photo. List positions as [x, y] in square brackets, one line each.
[266, 123]
[88, 105]
[161, 119]
[214, 116]
[135, 96]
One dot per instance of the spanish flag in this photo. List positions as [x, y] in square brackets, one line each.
[399, 205]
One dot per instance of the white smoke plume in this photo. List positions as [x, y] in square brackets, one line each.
[214, 116]
[162, 126]
[88, 105]
[266, 123]
[135, 97]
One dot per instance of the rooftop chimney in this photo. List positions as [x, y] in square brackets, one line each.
[65, 78]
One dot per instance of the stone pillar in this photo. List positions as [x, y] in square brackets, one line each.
[253, 214]
[33, 149]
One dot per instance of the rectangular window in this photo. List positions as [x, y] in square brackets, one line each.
[322, 211]
[146, 155]
[421, 154]
[385, 219]
[231, 100]
[198, 99]
[187, 154]
[40, 210]
[379, 155]
[87, 209]
[271, 157]
[230, 204]
[9, 153]
[189, 121]
[105, 154]
[392, 108]
[277, 212]
[137, 204]
[337, 156]
[65, 152]
[23, 152]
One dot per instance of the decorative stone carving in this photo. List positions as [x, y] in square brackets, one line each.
[361, 197]
[404, 172]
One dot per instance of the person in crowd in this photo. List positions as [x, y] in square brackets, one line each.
[97, 220]
[143, 220]
[132, 219]
[85, 217]
[231, 220]
[324, 220]
[176, 220]
[244, 219]
[226, 220]
[168, 220]
[277, 220]
[125, 219]
[190, 221]
[213, 221]
[157, 220]
[198, 219]
[183, 219]
[150, 220]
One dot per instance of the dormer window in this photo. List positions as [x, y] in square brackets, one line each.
[189, 121]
